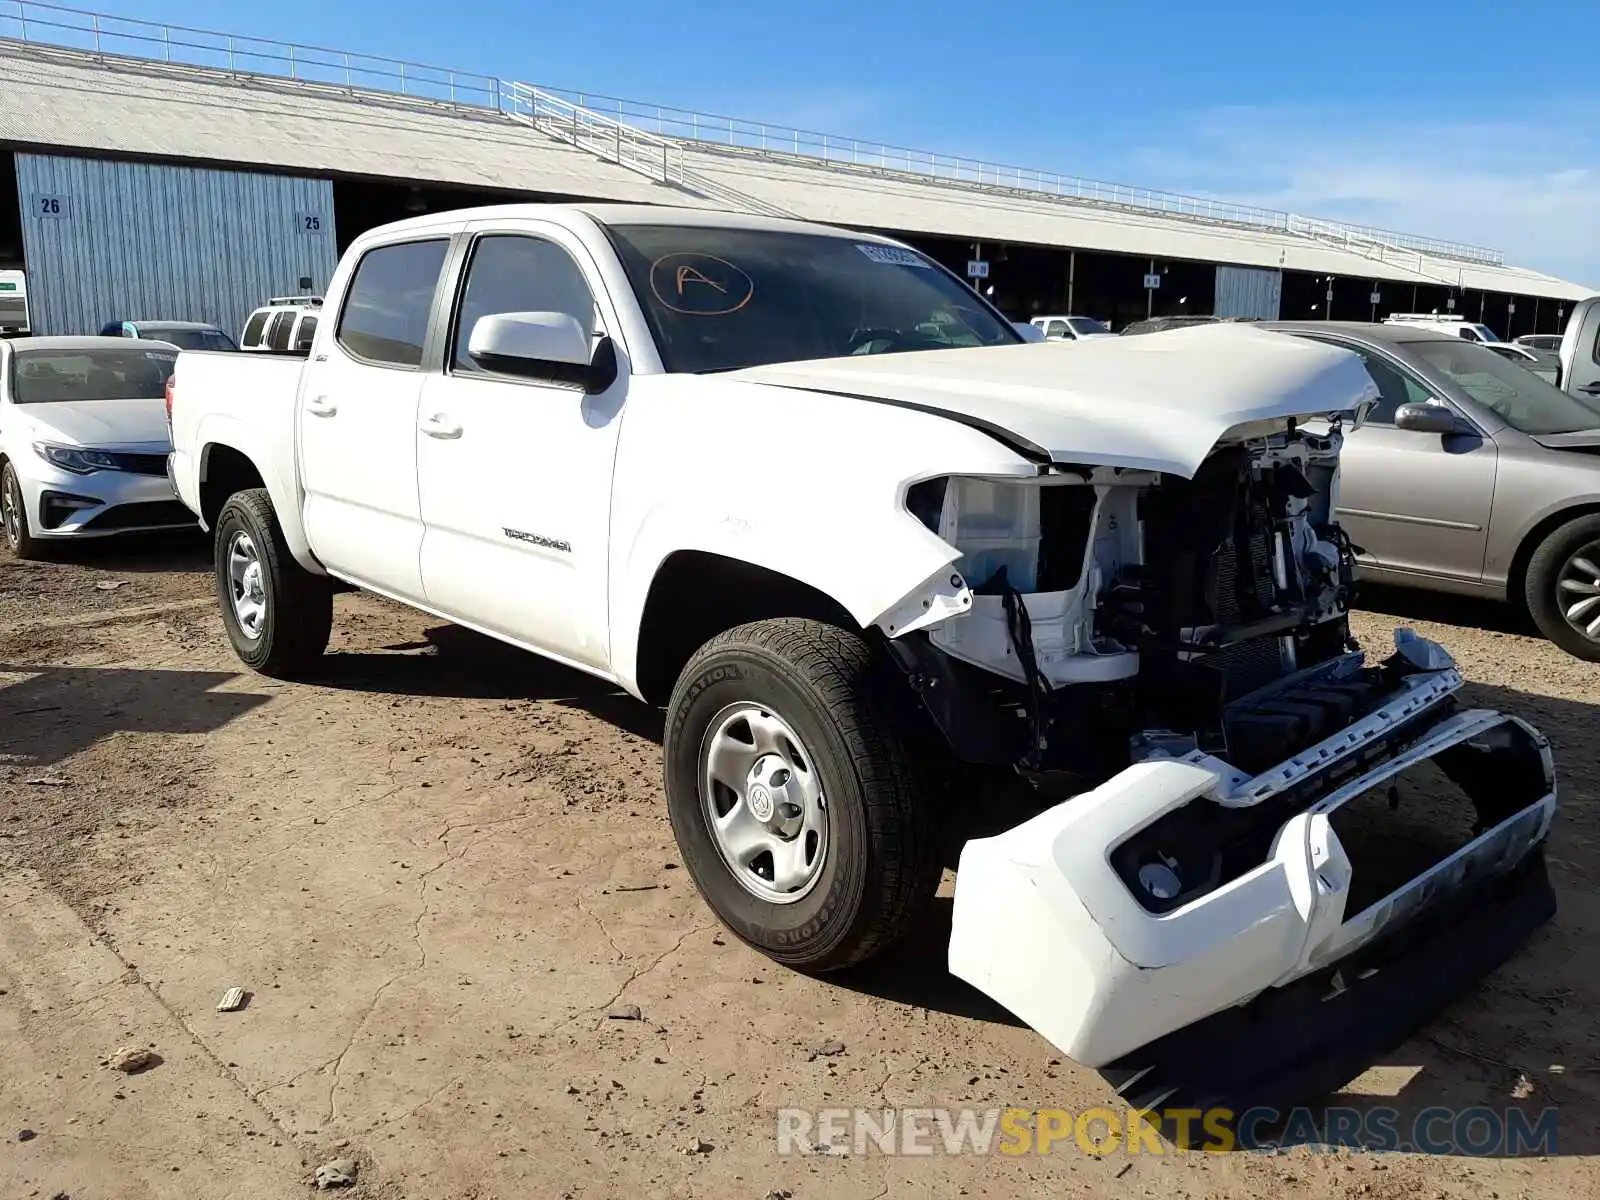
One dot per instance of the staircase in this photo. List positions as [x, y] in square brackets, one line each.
[658, 159]
[1384, 247]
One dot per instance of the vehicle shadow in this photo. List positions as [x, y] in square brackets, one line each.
[1518, 1040]
[131, 554]
[1410, 604]
[453, 662]
[48, 714]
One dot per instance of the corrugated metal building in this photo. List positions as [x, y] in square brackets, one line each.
[145, 241]
[1248, 292]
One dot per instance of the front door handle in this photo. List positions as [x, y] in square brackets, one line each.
[440, 426]
[1592, 389]
[321, 406]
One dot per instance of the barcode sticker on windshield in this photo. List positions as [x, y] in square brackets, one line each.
[894, 256]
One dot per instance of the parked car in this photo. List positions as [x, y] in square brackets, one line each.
[806, 490]
[1071, 329]
[1475, 476]
[1162, 324]
[14, 319]
[1580, 352]
[1472, 331]
[1545, 364]
[84, 440]
[286, 324]
[1539, 341]
[186, 335]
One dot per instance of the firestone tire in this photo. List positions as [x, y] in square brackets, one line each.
[829, 804]
[278, 615]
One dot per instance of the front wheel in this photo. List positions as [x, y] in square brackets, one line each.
[278, 614]
[14, 516]
[792, 798]
[1563, 587]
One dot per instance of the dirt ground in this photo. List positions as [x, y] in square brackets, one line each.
[437, 875]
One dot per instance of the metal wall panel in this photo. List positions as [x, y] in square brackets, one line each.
[106, 240]
[1248, 292]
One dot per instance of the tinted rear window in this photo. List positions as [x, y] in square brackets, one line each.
[46, 376]
[252, 330]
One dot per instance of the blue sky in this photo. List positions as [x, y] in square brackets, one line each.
[1469, 120]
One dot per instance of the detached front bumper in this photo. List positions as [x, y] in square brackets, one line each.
[1173, 999]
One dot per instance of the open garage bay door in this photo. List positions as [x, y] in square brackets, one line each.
[108, 241]
[1248, 292]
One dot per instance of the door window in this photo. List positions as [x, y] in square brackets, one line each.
[386, 306]
[305, 333]
[1395, 388]
[1056, 329]
[514, 273]
[253, 328]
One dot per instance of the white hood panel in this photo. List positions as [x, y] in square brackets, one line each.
[101, 424]
[1157, 402]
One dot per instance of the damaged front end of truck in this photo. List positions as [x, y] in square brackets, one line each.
[1280, 856]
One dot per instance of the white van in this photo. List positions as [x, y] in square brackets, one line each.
[1473, 331]
[283, 323]
[13, 303]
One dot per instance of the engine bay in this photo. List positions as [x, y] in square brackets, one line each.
[1118, 614]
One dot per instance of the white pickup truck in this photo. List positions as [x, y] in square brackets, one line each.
[809, 492]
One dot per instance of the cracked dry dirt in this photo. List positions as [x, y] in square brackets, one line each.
[437, 874]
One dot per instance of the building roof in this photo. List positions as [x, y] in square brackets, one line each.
[65, 100]
[74, 100]
[906, 201]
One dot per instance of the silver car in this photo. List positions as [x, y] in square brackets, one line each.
[1473, 475]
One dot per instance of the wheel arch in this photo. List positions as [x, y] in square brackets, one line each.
[697, 594]
[232, 458]
[1517, 576]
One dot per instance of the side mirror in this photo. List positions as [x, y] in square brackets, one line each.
[1426, 418]
[542, 345]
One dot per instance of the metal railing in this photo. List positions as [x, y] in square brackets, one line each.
[591, 119]
[1364, 239]
[721, 132]
[102, 33]
[657, 158]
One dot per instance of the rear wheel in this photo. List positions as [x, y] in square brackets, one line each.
[14, 516]
[278, 614]
[1563, 587]
[792, 796]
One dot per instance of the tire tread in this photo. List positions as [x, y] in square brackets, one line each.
[301, 619]
[842, 668]
[1539, 585]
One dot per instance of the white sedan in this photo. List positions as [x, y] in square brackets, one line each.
[84, 440]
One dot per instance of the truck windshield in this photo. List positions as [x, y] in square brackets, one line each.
[1513, 393]
[45, 376]
[1086, 325]
[720, 299]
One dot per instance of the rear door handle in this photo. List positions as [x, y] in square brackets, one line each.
[440, 426]
[321, 406]
[1592, 388]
